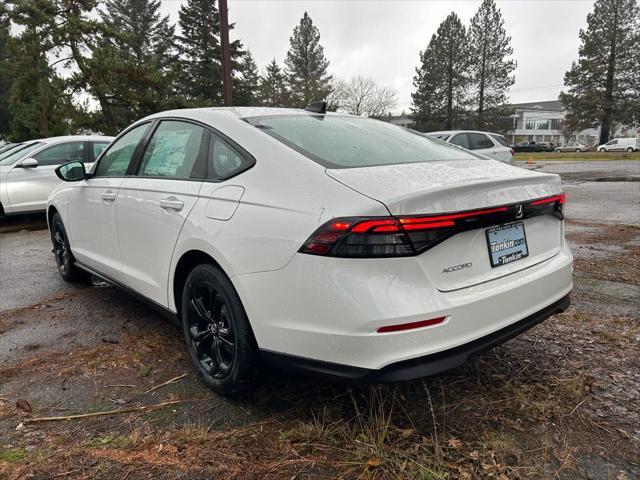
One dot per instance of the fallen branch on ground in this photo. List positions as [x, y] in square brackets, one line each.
[166, 383]
[110, 412]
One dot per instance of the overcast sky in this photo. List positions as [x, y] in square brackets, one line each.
[382, 39]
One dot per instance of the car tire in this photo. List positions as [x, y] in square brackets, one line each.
[603, 150]
[62, 251]
[578, 150]
[630, 149]
[217, 332]
[558, 150]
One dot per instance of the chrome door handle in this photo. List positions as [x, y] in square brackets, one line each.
[172, 203]
[108, 196]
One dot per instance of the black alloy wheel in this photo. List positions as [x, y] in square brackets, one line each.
[62, 251]
[217, 331]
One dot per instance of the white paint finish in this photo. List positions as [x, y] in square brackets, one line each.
[222, 202]
[318, 307]
[150, 216]
[339, 304]
[544, 240]
[90, 221]
[441, 187]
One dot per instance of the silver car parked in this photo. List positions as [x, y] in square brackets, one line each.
[27, 171]
[572, 147]
[492, 145]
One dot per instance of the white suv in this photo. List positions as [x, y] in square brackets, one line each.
[620, 145]
[492, 145]
[337, 244]
[27, 170]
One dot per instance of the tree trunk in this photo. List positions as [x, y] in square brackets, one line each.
[607, 107]
[449, 122]
[481, 94]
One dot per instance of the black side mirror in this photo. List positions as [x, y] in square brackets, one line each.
[71, 172]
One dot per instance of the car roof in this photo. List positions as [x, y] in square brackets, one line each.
[451, 132]
[68, 138]
[221, 113]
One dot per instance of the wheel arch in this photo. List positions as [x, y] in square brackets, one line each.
[51, 211]
[188, 260]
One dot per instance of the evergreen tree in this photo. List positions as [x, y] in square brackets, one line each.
[39, 101]
[306, 65]
[246, 82]
[201, 75]
[442, 78]
[5, 78]
[200, 52]
[273, 89]
[491, 67]
[134, 62]
[604, 84]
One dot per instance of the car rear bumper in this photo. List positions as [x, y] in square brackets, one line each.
[322, 311]
[415, 367]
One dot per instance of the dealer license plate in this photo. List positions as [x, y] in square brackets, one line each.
[507, 243]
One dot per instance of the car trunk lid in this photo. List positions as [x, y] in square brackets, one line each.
[450, 187]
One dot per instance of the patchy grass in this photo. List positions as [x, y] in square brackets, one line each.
[578, 156]
[13, 455]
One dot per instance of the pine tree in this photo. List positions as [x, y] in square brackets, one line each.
[246, 82]
[134, 63]
[491, 66]
[5, 78]
[39, 102]
[199, 44]
[306, 65]
[442, 79]
[273, 89]
[604, 84]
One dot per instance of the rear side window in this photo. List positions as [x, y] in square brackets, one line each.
[63, 153]
[500, 139]
[224, 160]
[172, 151]
[336, 141]
[478, 141]
[115, 161]
[461, 140]
[98, 148]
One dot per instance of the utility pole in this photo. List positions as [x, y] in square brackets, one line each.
[226, 55]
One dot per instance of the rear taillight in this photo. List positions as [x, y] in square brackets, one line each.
[401, 236]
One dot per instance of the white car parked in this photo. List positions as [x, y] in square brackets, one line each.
[492, 145]
[620, 145]
[27, 170]
[336, 244]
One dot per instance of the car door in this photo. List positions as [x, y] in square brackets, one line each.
[154, 204]
[29, 187]
[91, 214]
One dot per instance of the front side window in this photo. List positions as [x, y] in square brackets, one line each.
[172, 151]
[461, 140]
[478, 141]
[59, 154]
[613, 142]
[21, 151]
[337, 141]
[115, 161]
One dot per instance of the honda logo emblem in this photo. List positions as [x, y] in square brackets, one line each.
[519, 211]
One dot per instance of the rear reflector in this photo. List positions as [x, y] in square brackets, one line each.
[411, 326]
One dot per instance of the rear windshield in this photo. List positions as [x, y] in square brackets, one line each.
[17, 153]
[347, 142]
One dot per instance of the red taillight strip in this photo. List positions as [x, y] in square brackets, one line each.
[411, 325]
[452, 216]
[556, 198]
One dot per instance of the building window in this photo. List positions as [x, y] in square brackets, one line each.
[542, 124]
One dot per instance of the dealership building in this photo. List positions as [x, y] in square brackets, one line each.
[541, 122]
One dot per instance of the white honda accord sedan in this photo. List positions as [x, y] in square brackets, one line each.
[336, 244]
